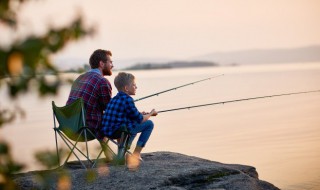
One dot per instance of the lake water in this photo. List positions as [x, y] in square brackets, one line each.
[279, 136]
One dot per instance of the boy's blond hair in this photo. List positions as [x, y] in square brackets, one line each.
[123, 79]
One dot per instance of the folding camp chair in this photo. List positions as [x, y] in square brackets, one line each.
[72, 127]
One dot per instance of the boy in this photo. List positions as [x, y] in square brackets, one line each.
[121, 110]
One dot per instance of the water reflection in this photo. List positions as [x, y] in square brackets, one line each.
[279, 136]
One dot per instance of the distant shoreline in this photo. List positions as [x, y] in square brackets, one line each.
[171, 65]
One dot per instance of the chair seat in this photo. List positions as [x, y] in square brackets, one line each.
[89, 135]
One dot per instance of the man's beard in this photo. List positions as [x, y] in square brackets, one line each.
[106, 72]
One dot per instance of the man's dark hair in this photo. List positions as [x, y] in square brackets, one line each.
[97, 56]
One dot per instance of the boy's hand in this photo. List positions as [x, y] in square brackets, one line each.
[153, 112]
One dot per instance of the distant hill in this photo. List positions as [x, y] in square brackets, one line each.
[170, 65]
[259, 56]
[254, 56]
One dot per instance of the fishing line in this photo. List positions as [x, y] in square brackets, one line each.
[237, 100]
[175, 88]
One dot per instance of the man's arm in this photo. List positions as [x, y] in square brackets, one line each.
[105, 92]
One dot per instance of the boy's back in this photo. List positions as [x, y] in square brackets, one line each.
[120, 111]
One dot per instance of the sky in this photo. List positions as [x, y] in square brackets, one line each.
[176, 29]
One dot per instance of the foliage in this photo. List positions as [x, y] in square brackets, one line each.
[53, 177]
[49, 158]
[25, 63]
[7, 167]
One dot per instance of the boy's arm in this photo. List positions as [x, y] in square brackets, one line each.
[132, 112]
[148, 115]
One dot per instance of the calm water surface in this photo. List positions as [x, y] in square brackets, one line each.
[279, 136]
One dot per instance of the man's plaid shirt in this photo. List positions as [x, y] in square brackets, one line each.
[120, 111]
[96, 92]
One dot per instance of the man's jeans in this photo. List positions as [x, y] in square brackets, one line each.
[145, 129]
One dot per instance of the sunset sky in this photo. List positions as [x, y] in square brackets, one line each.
[178, 29]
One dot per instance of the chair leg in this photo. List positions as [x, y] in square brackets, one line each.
[55, 134]
[94, 164]
[58, 156]
[122, 148]
[75, 147]
[103, 148]
[85, 135]
[118, 144]
[71, 151]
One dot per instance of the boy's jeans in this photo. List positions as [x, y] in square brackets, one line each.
[145, 129]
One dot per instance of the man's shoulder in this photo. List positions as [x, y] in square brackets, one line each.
[93, 76]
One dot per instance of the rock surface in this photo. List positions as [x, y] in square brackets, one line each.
[159, 170]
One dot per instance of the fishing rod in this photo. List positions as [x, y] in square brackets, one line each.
[175, 88]
[237, 100]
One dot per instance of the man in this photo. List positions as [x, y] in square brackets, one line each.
[95, 90]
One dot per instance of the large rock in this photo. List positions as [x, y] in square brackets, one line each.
[160, 170]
